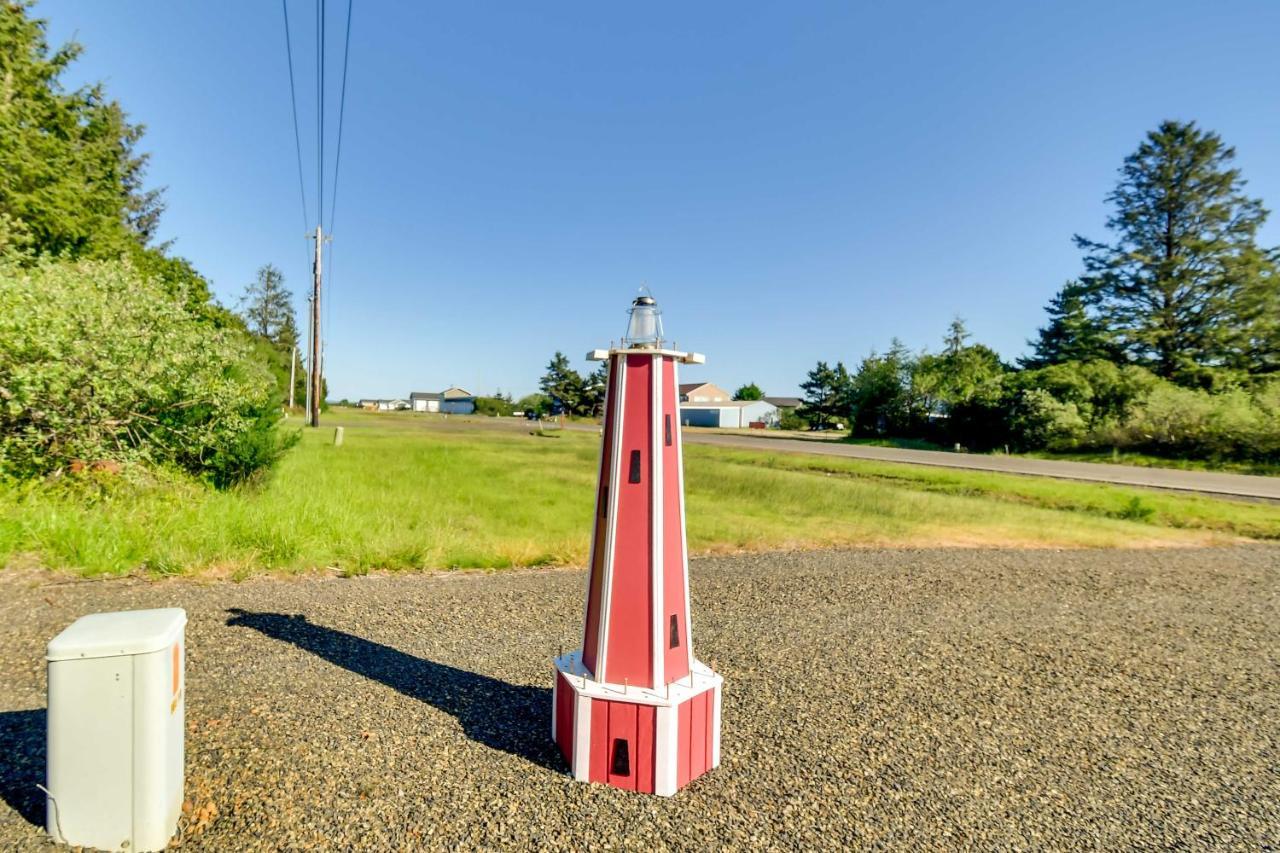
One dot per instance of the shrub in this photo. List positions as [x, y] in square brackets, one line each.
[1037, 419]
[494, 406]
[98, 363]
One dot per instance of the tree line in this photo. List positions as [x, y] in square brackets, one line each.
[1166, 343]
[112, 348]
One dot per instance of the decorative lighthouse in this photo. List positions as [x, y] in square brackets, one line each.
[633, 708]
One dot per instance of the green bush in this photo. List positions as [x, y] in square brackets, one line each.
[494, 406]
[791, 419]
[101, 363]
[1097, 405]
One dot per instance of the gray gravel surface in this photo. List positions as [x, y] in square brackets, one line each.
[950, 698]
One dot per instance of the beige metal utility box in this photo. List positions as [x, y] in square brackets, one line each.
[116, 710]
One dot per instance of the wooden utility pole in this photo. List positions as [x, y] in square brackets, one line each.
[293, 373]
[314, 383]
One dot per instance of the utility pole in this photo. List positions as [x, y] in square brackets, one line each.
[314, 383]
[310, 365]
[293, 372]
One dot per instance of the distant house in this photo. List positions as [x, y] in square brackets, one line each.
[785, 402]
[457, 401]
[384, 405]
[729, 414]
[450, 401]
[703, 392]
[425, 401]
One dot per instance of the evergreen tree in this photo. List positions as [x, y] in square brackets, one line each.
[70, 177]
[880, 393]
[750, 391]
[267, 308]
[826, 394]
[1184, 282]
[1074, 333]
[593, 390]
[563, 385]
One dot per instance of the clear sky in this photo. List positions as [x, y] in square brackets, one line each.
[794, 181]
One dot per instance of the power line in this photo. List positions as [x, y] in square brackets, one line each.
[320, 40]
[342, 110]
[293, 99]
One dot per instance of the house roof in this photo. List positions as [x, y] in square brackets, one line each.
[456, 393]
[426, 395]
[686, 387]
[785, 402]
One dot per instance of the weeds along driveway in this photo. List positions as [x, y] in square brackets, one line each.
[915, 698]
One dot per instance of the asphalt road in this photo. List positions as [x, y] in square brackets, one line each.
[1206, 482]
[961, 699]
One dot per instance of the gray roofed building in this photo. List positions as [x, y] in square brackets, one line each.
[785, 402]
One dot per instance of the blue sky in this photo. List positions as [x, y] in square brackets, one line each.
[794, 181]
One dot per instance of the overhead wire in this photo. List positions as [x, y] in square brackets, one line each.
[293, 99]
[320, 110]
[342, 111]
[337, 165]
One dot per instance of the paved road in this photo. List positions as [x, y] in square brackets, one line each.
[1207, 482]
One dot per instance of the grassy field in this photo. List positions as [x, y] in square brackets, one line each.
[409, 492]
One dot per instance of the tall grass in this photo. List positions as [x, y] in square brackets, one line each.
[407, 492]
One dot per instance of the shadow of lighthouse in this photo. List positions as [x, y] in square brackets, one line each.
[503, 716]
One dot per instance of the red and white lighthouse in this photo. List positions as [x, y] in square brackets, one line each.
[633, 708]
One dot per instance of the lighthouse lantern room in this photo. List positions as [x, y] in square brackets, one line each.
[633, 707]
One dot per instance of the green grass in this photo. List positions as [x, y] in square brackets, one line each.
[411, 492]
[1146, 460]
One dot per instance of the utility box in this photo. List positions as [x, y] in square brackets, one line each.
[116, 726]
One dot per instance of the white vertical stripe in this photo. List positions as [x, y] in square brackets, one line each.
[684, 528]
[555, 697]
[582, 739]
[658, 606]
[666, 742]
[605, 455]
[611, 527]
[715, 727]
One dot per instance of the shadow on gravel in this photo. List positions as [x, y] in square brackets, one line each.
[22, 762]
[502, 716]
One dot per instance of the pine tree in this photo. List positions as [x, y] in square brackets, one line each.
[1073, 333]
[593, 390]
[826, 394]
[1184, 280]
[563, 385]
[267, 308]
[70, 178]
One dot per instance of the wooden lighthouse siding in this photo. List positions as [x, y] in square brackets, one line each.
[675, 658]
[564, 717]
[694, 752]
[599, 541]
[635, 724]
[628, 649]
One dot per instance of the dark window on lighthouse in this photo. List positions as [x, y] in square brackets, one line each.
[621, 758]
[668, 422]
[675, 631]
[634, 476]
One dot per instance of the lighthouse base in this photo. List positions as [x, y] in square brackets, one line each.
[654, 741]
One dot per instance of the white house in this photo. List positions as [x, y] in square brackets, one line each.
[729, 414]
[425, 401]
[703, 392]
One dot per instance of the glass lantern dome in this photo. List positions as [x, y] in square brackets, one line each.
[645, 327]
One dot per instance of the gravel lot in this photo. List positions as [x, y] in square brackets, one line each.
[909, 698]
